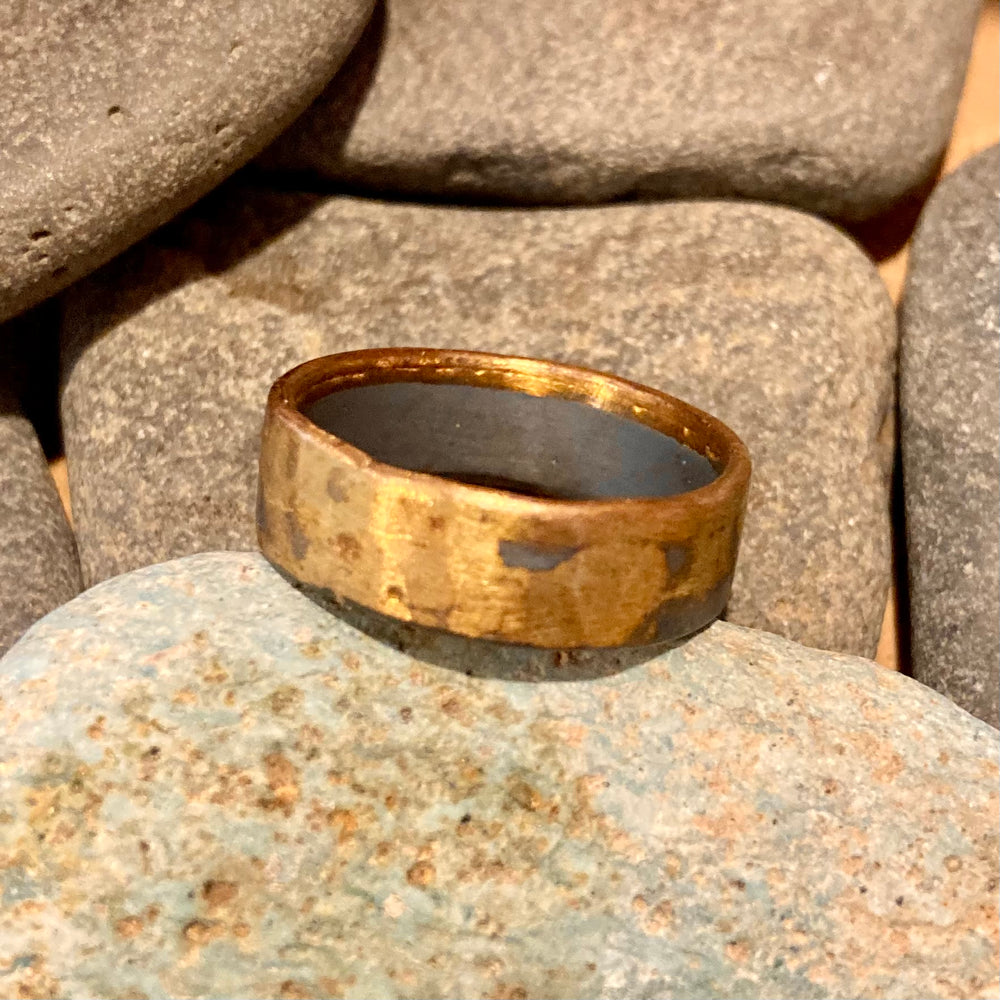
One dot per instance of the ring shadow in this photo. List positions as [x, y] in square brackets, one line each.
[482, 658]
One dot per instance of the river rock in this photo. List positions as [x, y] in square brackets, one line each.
[116, 116]
[39, 569]
[839, 108]
[950, 396]
[213, 787]
[768, 318]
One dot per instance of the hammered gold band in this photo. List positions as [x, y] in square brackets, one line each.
[501, 498]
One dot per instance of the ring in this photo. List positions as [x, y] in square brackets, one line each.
[500, 497]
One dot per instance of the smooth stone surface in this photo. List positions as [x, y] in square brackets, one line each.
[839, 108]
[950, 400]
[115, 116]
[769, 319]
[39, 569]
[212, 787]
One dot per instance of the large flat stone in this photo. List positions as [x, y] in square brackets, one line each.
[39, 569]
[950, 398]
[839, 108]
[766, 317]
[212, 787]
[115, 116]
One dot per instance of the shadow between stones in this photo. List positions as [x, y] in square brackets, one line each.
[884, 235]
[900, 555]
[29, 373]
[481, 658]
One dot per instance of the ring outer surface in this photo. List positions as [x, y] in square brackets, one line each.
[425, 549]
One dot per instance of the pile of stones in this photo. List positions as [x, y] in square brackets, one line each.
[209, 785]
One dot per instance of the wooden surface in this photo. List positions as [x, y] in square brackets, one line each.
[977, 125]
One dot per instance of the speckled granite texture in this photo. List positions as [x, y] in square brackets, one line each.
[115, 116]
[950, 397]
[211, 787]
[838, 107]
[766, 317]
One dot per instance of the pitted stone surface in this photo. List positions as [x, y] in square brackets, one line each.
[839, 108]
[39, 569]
[950, 401]
[115, 116]
[212, 787]
[767, 318]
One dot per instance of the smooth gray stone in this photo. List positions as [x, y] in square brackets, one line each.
[766, 317]
[38, 563]
[839, 108]
[39, 569]
[115, 116]
[212, 787]
[950, 399]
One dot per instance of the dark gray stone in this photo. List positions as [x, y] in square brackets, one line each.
[768, 318]
[212, 787]
[39, 569]
[839, 108]
[115, 116]
[38, 564]
[950, 396]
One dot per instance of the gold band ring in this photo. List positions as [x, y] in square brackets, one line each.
[502, 498]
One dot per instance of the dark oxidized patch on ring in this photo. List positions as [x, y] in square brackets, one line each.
[297, 538]
[678, 559]
[678, 617]
[335, 488]
[534, 556]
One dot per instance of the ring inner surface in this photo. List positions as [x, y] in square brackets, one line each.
[541, 446]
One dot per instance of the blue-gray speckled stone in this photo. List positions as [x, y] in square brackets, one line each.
[950, 405]
[212, 787]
